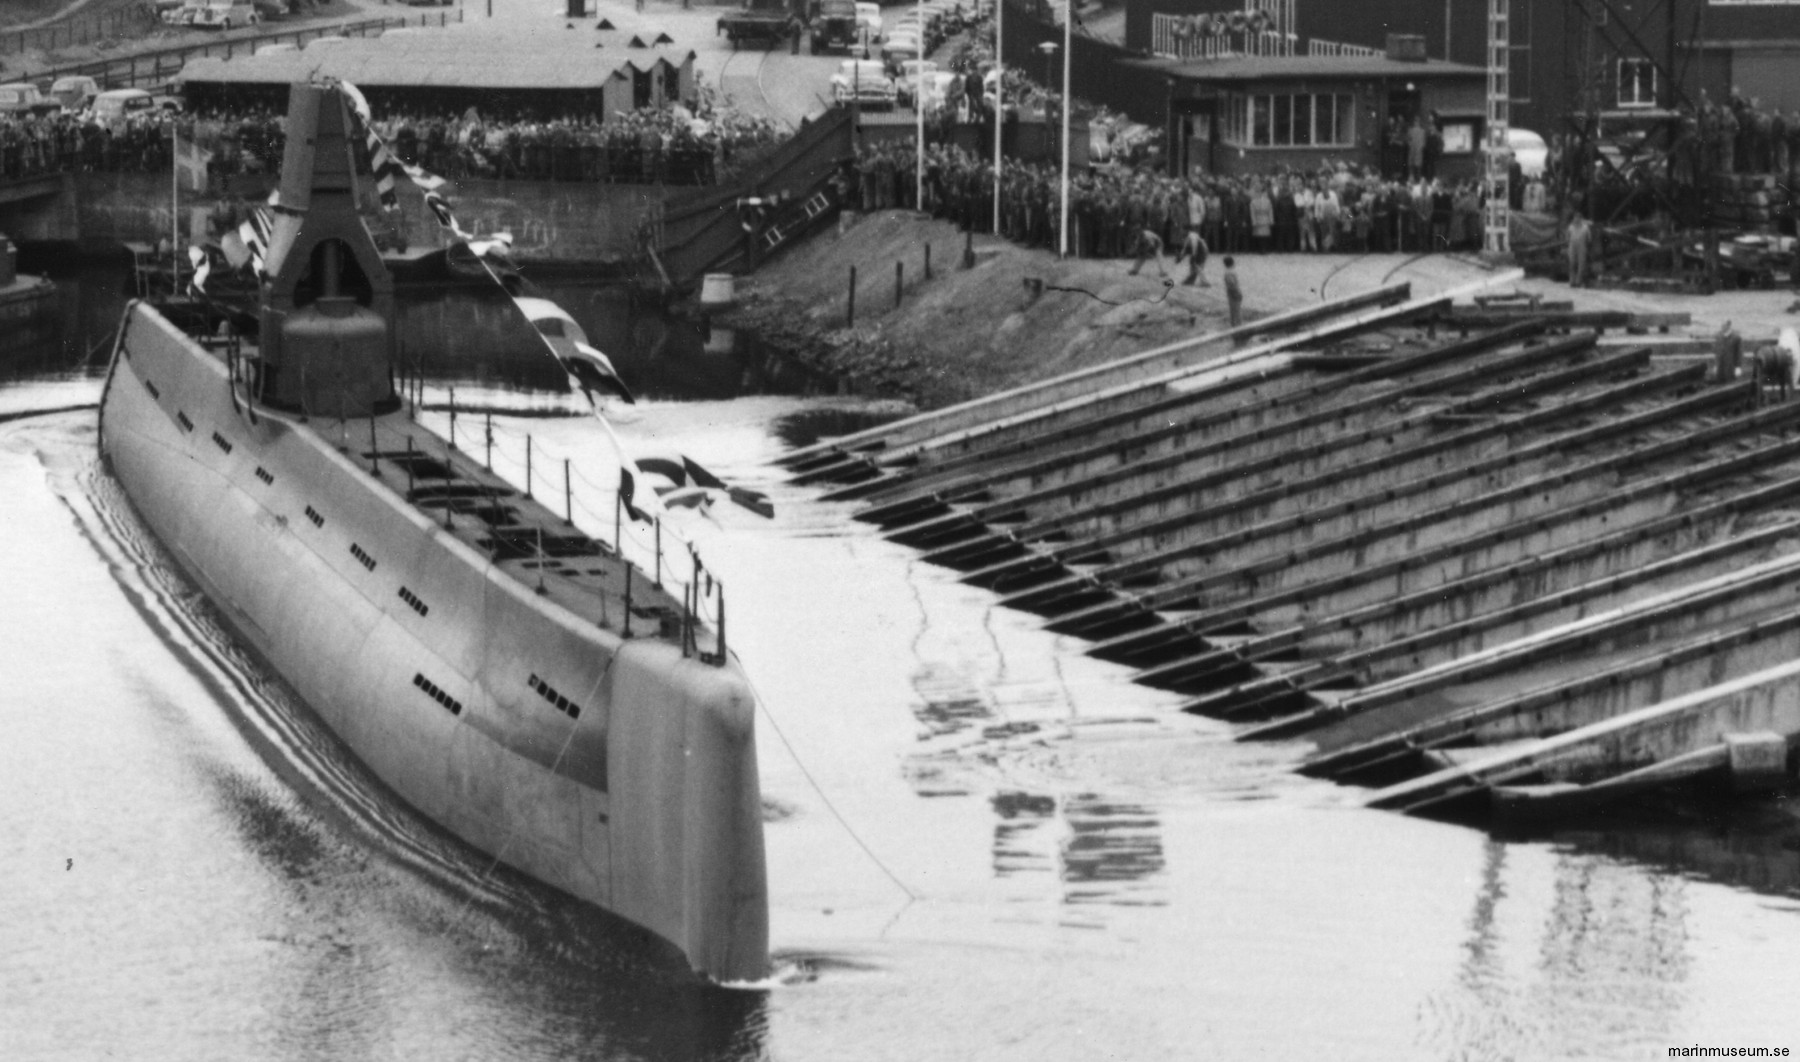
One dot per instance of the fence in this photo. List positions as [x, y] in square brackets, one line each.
[82, 29]
[1175, 36]
[1316, 47]
[157, 67]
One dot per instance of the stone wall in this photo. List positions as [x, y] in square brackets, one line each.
[549, 220]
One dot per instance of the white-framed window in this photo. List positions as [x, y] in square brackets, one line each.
[1637, 83]
[1298, 119]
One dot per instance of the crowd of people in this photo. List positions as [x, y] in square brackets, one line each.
[34, 145]
[675, 145]
[1336, 208]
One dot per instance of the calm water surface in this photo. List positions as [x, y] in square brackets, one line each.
[982, 844]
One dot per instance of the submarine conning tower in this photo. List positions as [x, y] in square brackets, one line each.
[327, 348]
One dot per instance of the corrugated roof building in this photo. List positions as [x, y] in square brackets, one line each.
[603, 73]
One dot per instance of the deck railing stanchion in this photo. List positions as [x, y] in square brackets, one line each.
[626, 629]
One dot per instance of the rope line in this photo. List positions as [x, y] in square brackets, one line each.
[814, 783]
[1168, 286]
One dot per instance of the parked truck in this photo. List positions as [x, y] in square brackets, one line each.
[764, 22]
[835, 26]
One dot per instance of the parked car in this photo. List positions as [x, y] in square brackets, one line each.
[74, 93]
[932, 22]
[907, 77]
[22, 97]
[226, 16]
[900, 46]
[868, 19]
[949, 14]
[863, 81]
[113, 108]
[182, 13]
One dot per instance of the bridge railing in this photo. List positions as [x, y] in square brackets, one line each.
[82, 29]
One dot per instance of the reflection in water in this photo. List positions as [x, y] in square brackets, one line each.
[1753, 844]
[1102, 851]
[948, 706]
[1111, 853]
[1022, 840]
[1595, 965]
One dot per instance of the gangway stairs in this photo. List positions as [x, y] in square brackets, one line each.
[776, 235]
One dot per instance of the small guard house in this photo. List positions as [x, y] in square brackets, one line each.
[1254, 114]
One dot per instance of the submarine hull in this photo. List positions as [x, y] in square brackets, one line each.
[634, 787]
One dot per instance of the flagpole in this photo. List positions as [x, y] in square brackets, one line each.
[175, 205]
[919, 108]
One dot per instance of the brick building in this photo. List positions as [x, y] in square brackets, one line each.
[1620, 60]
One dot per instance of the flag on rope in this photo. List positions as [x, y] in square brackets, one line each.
[628, 494]
[255, 234]
[202, 267]
[587, 368]
[190, 163]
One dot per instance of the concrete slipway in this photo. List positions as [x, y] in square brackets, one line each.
[1481, 555]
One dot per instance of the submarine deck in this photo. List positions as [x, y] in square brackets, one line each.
[520, 535]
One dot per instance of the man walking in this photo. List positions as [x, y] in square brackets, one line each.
[1194, 249]
[1149, 245]
[1234, 295]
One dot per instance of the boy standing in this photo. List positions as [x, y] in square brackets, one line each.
[1234, 295]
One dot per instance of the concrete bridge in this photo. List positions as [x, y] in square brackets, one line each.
[44, 207]
[693, 229]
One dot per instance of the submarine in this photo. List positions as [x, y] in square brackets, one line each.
[519, 683]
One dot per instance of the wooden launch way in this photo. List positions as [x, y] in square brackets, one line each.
[1467, 554]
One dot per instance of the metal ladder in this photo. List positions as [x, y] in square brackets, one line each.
[1499, 113]
[776, 235]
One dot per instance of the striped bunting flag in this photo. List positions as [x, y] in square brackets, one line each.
[492, 252]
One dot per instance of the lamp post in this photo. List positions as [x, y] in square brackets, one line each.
[1068, 51]
[999, 103]
[1048, 48]
[919, 110]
